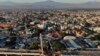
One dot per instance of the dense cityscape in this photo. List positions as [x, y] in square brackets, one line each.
[60, 30]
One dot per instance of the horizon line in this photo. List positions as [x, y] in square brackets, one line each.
[48, 0]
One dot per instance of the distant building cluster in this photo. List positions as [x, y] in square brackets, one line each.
[60, 29]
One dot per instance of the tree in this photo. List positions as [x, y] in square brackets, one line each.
[57, 45]
[98, 37]
[2, 20]
[35, 46]
[10, 29]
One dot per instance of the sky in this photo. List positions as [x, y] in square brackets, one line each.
[64, 1]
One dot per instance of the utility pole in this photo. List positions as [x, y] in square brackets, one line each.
[41, 43]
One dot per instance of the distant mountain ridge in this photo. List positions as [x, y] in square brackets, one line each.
[48, 5]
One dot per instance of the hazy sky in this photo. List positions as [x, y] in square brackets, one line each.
[65, 1]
